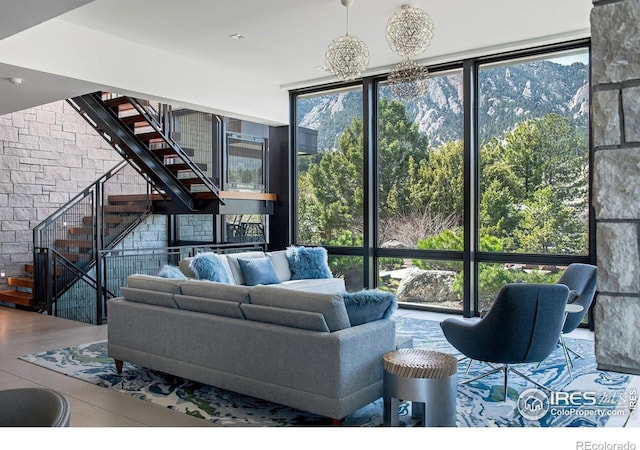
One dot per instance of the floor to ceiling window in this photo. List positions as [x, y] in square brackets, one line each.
[443, 199]
[534, 168]
[330, 178]
[420, 189]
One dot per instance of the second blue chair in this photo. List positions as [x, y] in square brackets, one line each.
[522, 326]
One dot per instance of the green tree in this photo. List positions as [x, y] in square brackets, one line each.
[336, 185]
[548, 226]
[547, 154]
[437, 183]
[400, 144]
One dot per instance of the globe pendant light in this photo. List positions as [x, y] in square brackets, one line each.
[409, 31]
[347, 56]
[408, 80]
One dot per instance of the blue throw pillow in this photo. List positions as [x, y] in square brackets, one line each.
[207, 266]
[258, 271]
[173, 272]
[308, 263]
[369, 305]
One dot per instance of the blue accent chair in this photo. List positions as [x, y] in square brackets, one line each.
[581, 279]
[522, 326]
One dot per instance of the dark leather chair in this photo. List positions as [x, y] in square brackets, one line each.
[33, 407]
[581, 279]
[522, 326]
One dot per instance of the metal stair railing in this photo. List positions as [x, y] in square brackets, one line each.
[55, 270]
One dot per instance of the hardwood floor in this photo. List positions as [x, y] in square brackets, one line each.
[23, 332]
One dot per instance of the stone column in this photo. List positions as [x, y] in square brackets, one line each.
[615, 122]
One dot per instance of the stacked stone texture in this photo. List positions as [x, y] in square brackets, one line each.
[48, 155]
[615, 120]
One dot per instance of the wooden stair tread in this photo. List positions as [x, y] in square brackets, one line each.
[148, 136]
[76, 257]
[124, 208]
[109, 219]
[79, 243]
[163, 152]
[181, 167]
[26, 282]
[134, 198]
[116, 101]
[17, 297]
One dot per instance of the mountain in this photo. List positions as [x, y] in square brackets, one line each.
[509, 94]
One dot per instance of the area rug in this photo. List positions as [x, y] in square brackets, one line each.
[599, 398]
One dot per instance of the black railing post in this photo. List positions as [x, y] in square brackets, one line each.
[98, 246]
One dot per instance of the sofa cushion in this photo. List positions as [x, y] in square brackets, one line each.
[287, 317]
[331, 306]
[154, 283]
[323, 285]
[174, 272]
[208, 266]
[281, 264]
[369, 305]
[258, 271]
[216, 291]
[209, 306]
[308, 262]
[156, 298]
[234, 266]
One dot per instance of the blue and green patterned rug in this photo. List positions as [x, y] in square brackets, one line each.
[600, 398]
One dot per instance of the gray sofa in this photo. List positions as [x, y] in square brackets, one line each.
[292, 347]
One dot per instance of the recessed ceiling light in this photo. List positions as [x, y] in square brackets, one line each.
[15, 80]
[237, 36]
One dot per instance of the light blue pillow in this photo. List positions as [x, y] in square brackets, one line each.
[369, 305]
[308, 263]
[173, 272]
[209, 267]
[258, 271]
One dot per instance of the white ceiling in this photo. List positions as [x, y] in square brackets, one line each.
[181, 52]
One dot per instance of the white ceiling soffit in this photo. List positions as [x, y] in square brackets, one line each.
[18, 15]
[181, 52]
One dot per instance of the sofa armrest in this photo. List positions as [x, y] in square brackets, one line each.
[359, 353]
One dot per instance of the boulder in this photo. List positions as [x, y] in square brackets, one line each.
[427, 286]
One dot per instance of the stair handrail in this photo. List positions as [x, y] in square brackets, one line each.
[142, 110]
[37, 230]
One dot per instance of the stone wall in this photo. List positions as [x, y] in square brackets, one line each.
[615, 119]
[48, 154]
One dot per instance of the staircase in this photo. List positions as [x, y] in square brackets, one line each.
[143, 138]
[22, 294]
[67, 245]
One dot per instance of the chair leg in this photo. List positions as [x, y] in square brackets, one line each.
[506, 381]
[567, 357]
[497, 369]
[529, 379]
